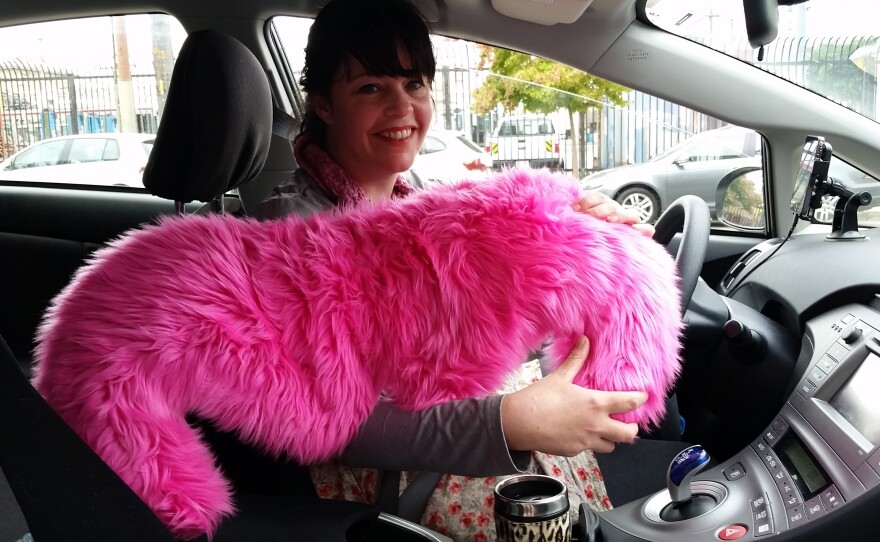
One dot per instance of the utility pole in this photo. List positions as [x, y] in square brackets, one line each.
[124, 88]
[163, 58]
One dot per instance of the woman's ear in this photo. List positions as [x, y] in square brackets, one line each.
[321, 107]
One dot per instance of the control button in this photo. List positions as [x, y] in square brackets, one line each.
[796, 516]
[763, 528]
[848, 318]
[838, 351]
[826, 363]
[759, 502]
[814, 508]
[831, 498]
[732, 532]
[806, 388]
[770, 461]
[762, 515]
[851, 335]
[817, 375]
[779, 426]
[734, 472]
[760, 447]
[791, 499]
[770, 437]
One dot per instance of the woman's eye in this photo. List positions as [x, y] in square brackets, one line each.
[415, 85]
[369, 89]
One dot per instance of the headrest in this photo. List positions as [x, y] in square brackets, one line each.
[217, 124]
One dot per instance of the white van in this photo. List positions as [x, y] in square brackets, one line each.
[531, 140]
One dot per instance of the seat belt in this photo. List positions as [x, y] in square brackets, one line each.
[13, 525]
[409, 505]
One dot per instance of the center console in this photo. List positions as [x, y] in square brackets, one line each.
[818, 455]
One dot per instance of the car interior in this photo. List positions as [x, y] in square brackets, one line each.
[781, 350]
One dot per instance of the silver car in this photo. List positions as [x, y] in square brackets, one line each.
[694, 166]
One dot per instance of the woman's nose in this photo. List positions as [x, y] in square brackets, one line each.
[399, 102]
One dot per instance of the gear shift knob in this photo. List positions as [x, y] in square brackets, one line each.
[683, 467]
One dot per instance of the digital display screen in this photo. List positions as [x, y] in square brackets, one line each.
[858, 400]
[801, 465]
[803, 189]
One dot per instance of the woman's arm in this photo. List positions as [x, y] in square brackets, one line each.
[460, 437]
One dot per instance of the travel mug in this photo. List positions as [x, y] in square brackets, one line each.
[532, 507]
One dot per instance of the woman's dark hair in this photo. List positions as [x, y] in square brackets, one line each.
[370, 32]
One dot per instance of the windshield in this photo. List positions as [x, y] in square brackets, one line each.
[831, 47]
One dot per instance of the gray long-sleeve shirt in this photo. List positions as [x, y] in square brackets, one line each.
[461, 437]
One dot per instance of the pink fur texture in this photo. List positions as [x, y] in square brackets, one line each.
[287, 331]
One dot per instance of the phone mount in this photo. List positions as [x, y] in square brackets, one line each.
[845, 225]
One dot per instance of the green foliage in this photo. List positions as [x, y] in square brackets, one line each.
[539, 85]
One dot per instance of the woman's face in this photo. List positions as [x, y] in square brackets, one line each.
[375, 123]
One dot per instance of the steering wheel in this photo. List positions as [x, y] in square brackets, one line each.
[690, 214]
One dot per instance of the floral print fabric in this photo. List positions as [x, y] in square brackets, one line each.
[461, 507]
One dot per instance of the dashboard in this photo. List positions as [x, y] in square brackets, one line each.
[811, 309]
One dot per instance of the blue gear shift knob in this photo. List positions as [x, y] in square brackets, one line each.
[683, 467]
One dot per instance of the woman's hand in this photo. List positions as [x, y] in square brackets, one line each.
[557, 417]
[601, 206]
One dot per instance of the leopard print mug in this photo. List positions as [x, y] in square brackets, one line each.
[532, 508]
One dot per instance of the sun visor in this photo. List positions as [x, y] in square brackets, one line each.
[546, 12]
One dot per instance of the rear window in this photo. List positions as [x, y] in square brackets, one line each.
[526, 127]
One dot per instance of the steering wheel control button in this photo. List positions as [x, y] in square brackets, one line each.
[796, 515]
[814, 508]
[734, 472]
[733, 532]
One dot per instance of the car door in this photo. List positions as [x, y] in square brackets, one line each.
[51, 221]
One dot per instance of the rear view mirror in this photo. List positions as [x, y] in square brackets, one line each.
[739, 200]
[762, 21]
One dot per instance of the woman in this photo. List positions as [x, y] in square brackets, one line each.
[368, 72]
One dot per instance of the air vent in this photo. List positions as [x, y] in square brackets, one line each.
[737, 268]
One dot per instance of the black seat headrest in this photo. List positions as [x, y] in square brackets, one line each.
[217, 123]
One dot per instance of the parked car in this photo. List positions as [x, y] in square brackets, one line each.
[114, 159]
[447, 156]
[780, 352]
[694, 166]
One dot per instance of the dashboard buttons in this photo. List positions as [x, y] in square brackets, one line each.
[817, 375]
[779, 426]
[796, 516]
[763, 521]
[831, 498]
[734, 472]
[827, 363]
[806, 388]
[814, 508]
[732, 532]
[838, 351]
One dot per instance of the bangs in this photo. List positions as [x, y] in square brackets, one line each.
[379, 55]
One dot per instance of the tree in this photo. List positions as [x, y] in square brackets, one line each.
[541, 86]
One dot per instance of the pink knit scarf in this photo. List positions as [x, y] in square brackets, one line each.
[330, 175]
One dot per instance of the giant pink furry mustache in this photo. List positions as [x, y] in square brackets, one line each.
[287, 331]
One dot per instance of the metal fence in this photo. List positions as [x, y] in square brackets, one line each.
[41, 99]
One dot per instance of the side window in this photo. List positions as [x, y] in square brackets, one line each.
[43, 154]
[79, 86]
[432, 145]
[592, 130]
[87, 150]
